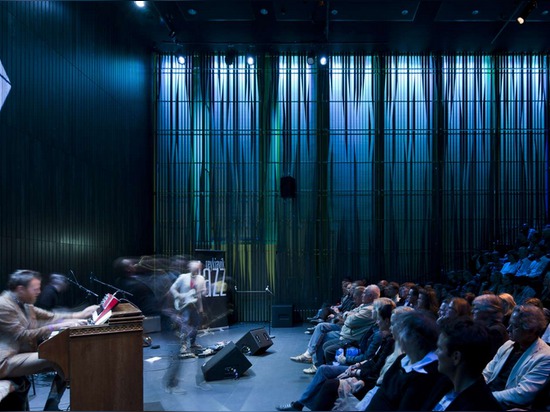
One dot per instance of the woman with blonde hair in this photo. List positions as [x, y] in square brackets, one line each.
[508, 304]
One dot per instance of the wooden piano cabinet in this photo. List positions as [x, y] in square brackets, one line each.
[103, 364]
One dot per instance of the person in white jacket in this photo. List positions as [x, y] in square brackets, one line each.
[521, 367]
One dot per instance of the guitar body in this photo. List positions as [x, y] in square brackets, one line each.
[185, 299]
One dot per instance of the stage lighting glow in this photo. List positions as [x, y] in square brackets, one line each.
[181, 59]
[323, 60]
[140, 4]
[250, 60]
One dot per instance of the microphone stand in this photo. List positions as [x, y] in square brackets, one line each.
[88, 291]
[93, 279]
[271, 294]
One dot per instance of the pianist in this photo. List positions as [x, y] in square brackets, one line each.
[22, 326]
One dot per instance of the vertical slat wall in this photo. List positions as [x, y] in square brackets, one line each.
[75, 139]
[405, 165]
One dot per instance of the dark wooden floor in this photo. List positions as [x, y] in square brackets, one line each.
[272, 379]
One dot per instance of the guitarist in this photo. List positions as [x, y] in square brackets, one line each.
[188, 290]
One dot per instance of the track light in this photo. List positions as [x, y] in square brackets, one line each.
[181, 59]
[529, 7]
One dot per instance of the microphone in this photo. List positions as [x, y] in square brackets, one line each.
[91, 277]
[267, 288]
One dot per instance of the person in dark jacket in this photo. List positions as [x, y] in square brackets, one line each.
[414, 375]
[463, 350]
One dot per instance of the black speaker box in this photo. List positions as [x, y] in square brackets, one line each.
[288, 187]
[227, 363]
[281, 316]
[255, 342]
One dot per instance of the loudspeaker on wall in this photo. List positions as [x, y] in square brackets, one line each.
[254, 342]
[227, 363]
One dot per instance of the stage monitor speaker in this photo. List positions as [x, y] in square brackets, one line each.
[255, 342]
[227, 363]
[288, 187]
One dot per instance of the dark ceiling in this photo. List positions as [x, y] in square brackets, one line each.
[401, 26]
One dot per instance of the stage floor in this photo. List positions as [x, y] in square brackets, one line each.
[271, 380]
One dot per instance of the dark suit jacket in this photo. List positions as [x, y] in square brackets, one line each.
[402, 391]
[477, 397]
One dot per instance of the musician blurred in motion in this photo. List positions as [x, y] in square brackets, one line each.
[50, 295]
[188, 290]
[23, 326]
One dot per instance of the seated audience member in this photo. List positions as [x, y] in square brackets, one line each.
[521, 367]
[442, 311]
[412, 298]
[346, 303]
[538, 266]
[524, 261]
[410, 379]
[546, 335]
[508, 305]
[382, 284]
[545, 294]
[22, 325]
[512, 265]
[487, 309]
[51, 293]
[535, 302]
[323, 332]
[522, 293]
[379, 345]
[392, 292]
[359, 378]
[463, 350]
[370, 342]
[404, 289]
[427, 300]
[458, 307]
[356, 324]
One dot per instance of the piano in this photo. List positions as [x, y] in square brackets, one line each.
[103, 364]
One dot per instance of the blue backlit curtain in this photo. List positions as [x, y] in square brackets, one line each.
[405, 165]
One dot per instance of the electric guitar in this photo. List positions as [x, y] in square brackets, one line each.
[184, 299]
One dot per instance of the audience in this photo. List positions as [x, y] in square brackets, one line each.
[521, 367]
[327, 331]
[379, 344]
[463, 350]
[410, 379]
[487, 310]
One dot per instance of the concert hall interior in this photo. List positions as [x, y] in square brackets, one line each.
[200, 169]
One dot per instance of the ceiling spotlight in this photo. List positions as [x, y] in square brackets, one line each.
[310, 59]
[323, 60]
[264, 12]
[529, 7]
[230, 57]
[250, 60]
[192, 12]
[181, 59]
[140, 4]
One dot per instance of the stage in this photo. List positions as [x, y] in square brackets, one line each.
[272, 379]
